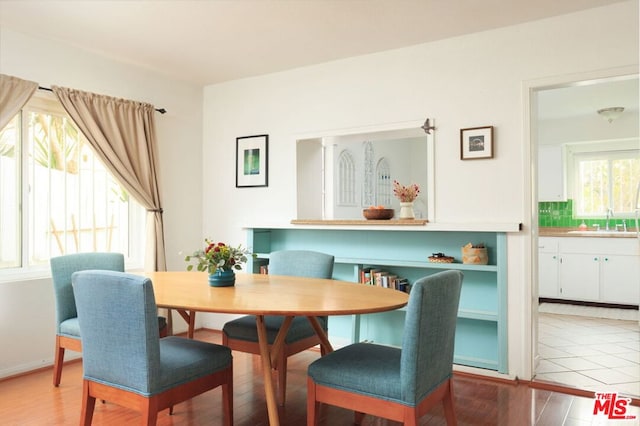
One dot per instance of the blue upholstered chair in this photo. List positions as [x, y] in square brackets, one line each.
[125, 361]
[401, 384]
[242, 334]
[67, 330]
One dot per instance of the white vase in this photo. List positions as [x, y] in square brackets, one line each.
[406, 211]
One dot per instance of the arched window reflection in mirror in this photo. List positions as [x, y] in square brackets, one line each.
[367, 185]
[383, 183]
[346, 179]
[379, 155]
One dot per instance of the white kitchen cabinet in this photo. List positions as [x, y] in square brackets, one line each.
[604, 270]
[579, 277]
[548, 267]
[621, 276]
[551, 181]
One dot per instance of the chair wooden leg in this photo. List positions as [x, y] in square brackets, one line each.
[58, 360]
[312, 404]
[164, 331]
[150, 412]
[152, 420]
[358, 417]
[410, 417]
[88, 404]
[227, 400]
[449, 409]
[282, 379]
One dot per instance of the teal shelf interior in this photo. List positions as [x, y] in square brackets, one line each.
[415, 246]
[481, 331]
[476, 343]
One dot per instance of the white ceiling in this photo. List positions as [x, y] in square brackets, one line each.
[586, 98]
[211, 41]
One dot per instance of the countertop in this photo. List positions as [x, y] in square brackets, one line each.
[575, 232]
[411, 225]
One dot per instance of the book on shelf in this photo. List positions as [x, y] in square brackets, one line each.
[365, 276]
[402, 284]
[390, 281]
[382, 278]
[378, 278]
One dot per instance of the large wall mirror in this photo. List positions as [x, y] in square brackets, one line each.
[340, 173]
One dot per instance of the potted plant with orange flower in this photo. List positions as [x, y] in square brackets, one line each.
[220, 261]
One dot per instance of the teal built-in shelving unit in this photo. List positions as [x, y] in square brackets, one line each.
[481, 334]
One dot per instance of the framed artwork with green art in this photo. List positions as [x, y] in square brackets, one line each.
[252, 161]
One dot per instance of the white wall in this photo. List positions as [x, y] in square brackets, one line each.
[27, 313]
[462, 82]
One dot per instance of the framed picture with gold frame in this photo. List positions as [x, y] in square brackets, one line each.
[252, 161]
[476, 143]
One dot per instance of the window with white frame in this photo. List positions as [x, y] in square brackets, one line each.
[56, 195]
[604, 179]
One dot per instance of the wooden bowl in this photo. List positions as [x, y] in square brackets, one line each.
[377, 214]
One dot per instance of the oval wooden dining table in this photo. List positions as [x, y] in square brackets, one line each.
[260, 295]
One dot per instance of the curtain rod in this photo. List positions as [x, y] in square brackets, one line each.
[48, 89]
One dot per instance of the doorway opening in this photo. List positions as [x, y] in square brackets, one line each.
[580, 341]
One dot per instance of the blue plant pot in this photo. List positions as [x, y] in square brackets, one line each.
[222, 278]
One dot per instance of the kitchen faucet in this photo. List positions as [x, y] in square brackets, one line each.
[623, 226]
[609, 216]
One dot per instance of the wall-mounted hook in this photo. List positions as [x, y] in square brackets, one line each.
[427, 128]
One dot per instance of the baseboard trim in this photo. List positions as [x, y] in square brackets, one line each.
[540, 384]
[554, 387]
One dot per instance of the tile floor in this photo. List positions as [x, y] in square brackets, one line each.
[599, 354]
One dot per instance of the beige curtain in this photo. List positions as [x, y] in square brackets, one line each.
[14, 93]
[122, 133]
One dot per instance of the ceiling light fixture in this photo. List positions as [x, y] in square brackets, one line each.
[610, 114]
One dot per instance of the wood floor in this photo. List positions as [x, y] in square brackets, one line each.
[31, 399]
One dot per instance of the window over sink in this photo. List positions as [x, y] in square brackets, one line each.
[604, 178]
